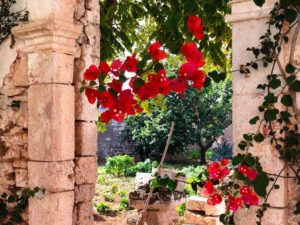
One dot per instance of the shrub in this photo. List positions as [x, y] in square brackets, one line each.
[122, 193]
[145, 166]
[113, 188]
[102, 208]
[117, 165]
[193, 171]
[181, 209]
[108, 197]
[224, 150]
[124, 203]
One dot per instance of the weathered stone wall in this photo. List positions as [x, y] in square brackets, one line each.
[248, 24]
[49, 137]
[110, 142]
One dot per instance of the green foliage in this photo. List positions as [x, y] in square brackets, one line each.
[109, 197]
[117, 165]
[102, 208]
[181, 209]
[124, 204]
[223, 150]
[145, 167]
[200, 117]
[164, 183]
[14, 204]
[130, 25]
[193, 171]
[10, 18]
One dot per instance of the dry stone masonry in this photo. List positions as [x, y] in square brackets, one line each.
[46, 138]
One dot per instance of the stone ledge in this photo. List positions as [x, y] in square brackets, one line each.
[48, 34]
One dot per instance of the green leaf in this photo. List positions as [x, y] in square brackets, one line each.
[295, 86]
[81, 89]
[259, 137]
[254, 120]
[92, 83]
[242, 145]
[270, 114]
[138, 83]
[248, 137]
[290, 68]
[290, 15]
[158, 67]
[287, 100]
[259, 3]
[271, 98]
[290, 79]
[260, 184]
[275, 83]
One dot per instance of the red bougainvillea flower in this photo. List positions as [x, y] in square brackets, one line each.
[217, 171]
[248, 172]
[188, 48]
[186, 70]
[195, 26]
[234, 203]
[130, 64]
[198, 79]
[91, 73]
[196, 58]
[225, 162]
[156, 52]
[248, 195]
[116, 85]
[91, 95]
[116, 64]
[214, 199]
[106, 99]
[104, 68]
[178, 85]
[209, 187]
[105, 116]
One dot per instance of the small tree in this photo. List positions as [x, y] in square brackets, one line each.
[200, 117]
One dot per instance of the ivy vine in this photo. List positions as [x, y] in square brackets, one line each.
[10, 18]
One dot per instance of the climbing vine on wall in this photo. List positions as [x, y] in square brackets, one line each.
[10, 18]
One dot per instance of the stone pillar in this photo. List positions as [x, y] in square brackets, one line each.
[88, 46]
[49, 39]
[248, 24]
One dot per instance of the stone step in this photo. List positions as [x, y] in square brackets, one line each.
[195, 218]
[199, 204]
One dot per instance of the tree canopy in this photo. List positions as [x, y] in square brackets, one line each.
[200, 117]
[130, 25]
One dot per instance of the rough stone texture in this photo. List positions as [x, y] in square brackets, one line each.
[52, 209]
[7, 177]
[48, 67]
[85, 170]
[84, 193]
[86, 133]
[196, 218]
[110, 142]
[195, 203]
[21, 176]
[85, 214]
[48, 139]
[52, 176]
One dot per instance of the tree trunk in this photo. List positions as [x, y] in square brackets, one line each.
[203, 150]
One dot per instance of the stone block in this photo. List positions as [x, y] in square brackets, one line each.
[20, 163]
[85, 214]
[50, 67]
[21, 176]
[271, 216]
[63, 9]
[196, 218]
[52, 176]
[7, 176]
[20, 77]
[84, 193]
[52, 209]
[85, 170]
[51, 122]
[84, 111]
[85, 139]
[195, 203]
[21, 116]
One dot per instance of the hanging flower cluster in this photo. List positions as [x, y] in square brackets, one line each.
[242, 196]
[107, 82]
